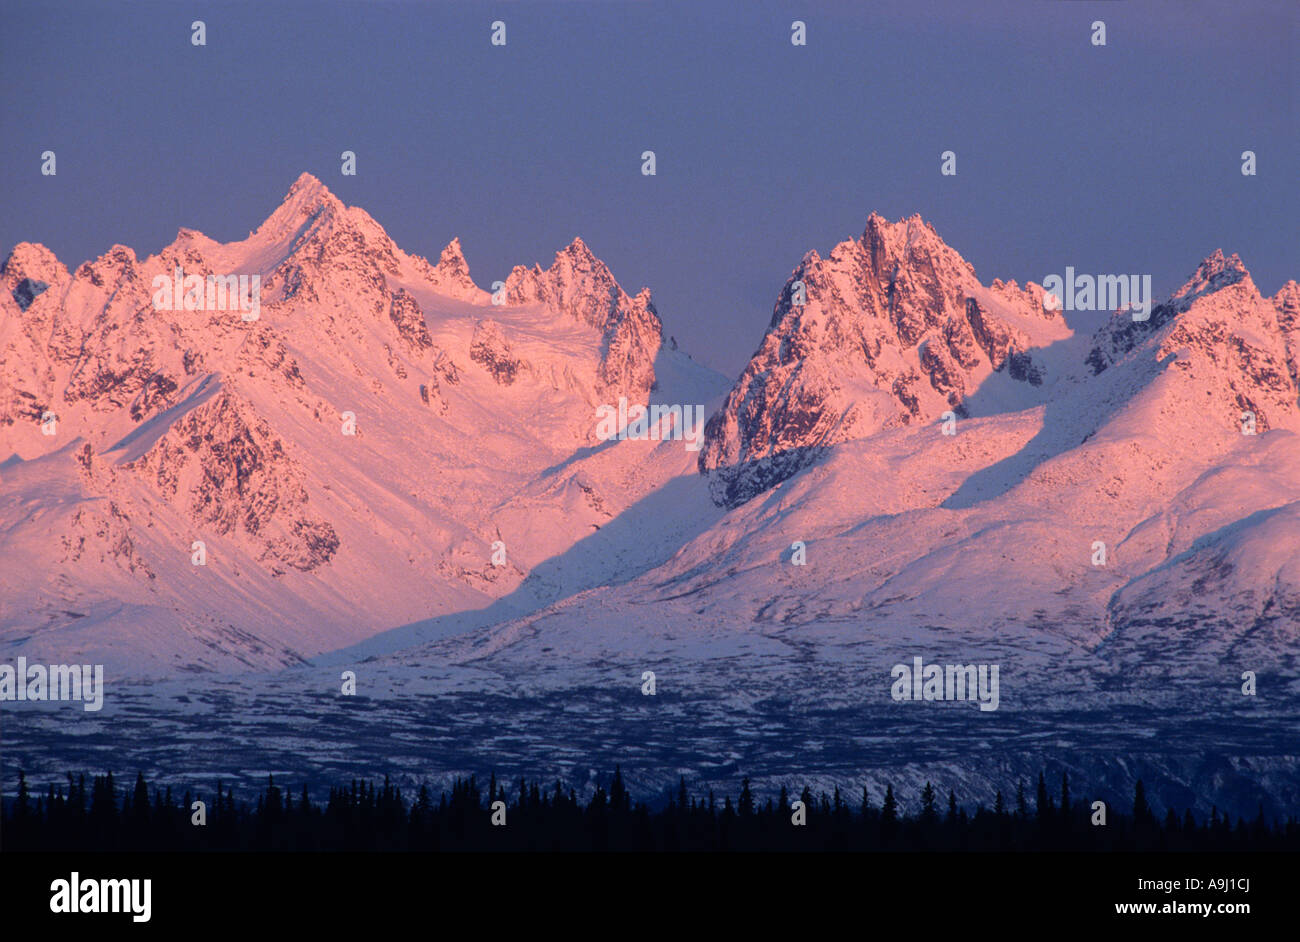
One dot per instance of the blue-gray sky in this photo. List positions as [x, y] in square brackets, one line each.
[1117, 159]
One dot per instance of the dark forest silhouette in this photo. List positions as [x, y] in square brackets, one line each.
[361, 817]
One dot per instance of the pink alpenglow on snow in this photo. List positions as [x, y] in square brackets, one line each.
[657, 422]
[133, 432]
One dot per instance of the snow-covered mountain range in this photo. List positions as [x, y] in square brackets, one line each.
[948, 453]
[912, 463]
[473, 423]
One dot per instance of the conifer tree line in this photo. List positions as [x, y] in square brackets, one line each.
[549, 817]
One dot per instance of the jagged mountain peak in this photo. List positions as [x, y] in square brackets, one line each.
[189, 241]
[575, 258]
[909, 243]
[117, 254]
[312, 236]
[30, 271]
[578, 249]
[308, 191]
[313, 229]
[33, 261]
[1216, 272]
[886, 331]
[580, 286]
[576, 263]
[1221, 283]
[453, 252]
[451, 274]
[119, 263]
[453, 259]
[308, 196]
[308, 209]
[577, 283]
[907, 227]
[1288, 295]
[315, 446]
[1212, 356]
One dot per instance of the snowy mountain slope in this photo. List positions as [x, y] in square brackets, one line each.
[892, 329]
[580, 285]
[200, 425]
[475, 424]
[992, 535]
[476, 510]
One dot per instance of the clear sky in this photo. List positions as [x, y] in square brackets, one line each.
[1122, 159]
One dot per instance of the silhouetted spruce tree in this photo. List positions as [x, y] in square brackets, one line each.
[103, 803]
[746, 798]
[889, 815]
[1144, 823]
[77, 798]
[1141, 810]
[928, 813]
[274, 801]
[618, 797]
[24, 797]
[140, 803]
